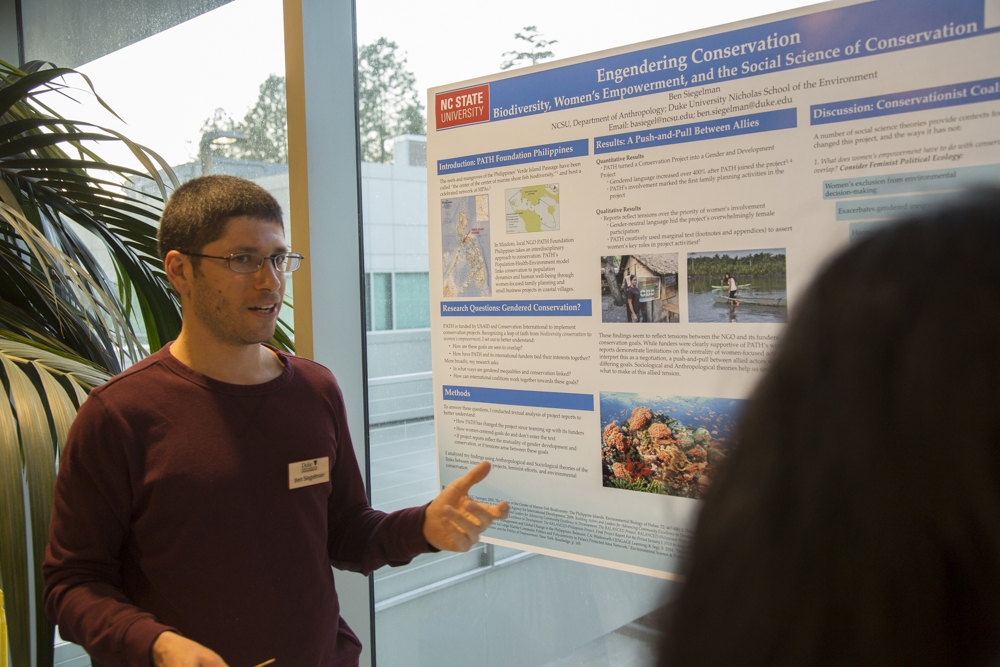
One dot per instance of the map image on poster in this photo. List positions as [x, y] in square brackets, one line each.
[533, 208]
[465, 239]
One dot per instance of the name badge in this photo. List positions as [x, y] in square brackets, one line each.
[307, 473]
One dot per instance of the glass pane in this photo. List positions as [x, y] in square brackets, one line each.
[233, 124]
[413, 301]
[494, 606]
[381, 286]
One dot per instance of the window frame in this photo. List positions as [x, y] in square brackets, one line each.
[321, 57]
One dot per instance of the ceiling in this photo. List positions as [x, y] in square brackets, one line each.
[70, 33]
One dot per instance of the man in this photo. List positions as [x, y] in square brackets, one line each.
[204, 493]
[635, 312]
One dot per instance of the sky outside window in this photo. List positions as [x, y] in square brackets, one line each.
[166, 86]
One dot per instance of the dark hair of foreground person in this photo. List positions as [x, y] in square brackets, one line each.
[858, 520]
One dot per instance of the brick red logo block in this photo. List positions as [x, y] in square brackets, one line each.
[462, 107]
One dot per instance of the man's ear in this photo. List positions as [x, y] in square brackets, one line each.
[179, 271]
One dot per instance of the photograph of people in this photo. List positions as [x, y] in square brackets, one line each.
[640, 288]
[737, 286]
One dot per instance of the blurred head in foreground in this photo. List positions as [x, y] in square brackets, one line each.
[858, 520]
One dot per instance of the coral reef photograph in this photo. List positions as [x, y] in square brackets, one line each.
[671, 446]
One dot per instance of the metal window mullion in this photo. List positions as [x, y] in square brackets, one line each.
[392, 297]
[329, 52]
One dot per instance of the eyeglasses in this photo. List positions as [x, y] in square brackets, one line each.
[250, 262]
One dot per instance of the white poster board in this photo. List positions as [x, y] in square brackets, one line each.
[754, 150]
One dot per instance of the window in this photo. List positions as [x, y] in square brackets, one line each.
[413, 301]
[493, 606]
[396, 301]
[378, 301]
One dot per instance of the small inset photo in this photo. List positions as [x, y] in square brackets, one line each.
[671, 445]
[737, 286]
[639, 288]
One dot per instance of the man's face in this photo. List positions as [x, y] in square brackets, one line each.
[239, 308]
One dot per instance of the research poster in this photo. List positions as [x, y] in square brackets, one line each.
[617, 241]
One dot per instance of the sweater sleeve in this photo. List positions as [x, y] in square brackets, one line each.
[362, 539]
[90, 524]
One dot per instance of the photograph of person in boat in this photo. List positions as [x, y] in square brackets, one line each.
[670, 445]
[640, 288]
[737, 286]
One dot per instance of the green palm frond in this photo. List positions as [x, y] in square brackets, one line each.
[13, 548]
[65, 325]
[45, 388]
[51, 176]
[77, 301]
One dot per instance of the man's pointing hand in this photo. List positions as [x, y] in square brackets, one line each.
[453, 521]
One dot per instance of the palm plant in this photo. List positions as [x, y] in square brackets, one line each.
[65, 325]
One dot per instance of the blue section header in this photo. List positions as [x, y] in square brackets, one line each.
[543, 308]
[710, 129]
[887, 207]
[859, 231]
[513, 156]
[984, 90]
[531, 399]
[840, 34]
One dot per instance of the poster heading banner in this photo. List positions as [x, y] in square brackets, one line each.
[543, 308]
[951, 95]
[532, 399]
[710, 129]
[845, 33]
[512, 156]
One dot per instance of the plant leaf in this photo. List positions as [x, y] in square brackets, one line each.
[60, 406]
[38, 451]
[91, 298]
[13, 540]
[78, 391]
[49, 187]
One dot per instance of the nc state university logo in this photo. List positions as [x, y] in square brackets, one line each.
[462, 107]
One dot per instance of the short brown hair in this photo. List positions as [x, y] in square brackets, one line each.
[198, 211]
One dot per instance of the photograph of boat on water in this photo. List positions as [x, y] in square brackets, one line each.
[737, 286]
[670, 445]
[640, 289]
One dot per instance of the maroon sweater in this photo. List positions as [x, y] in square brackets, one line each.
[173, 511]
